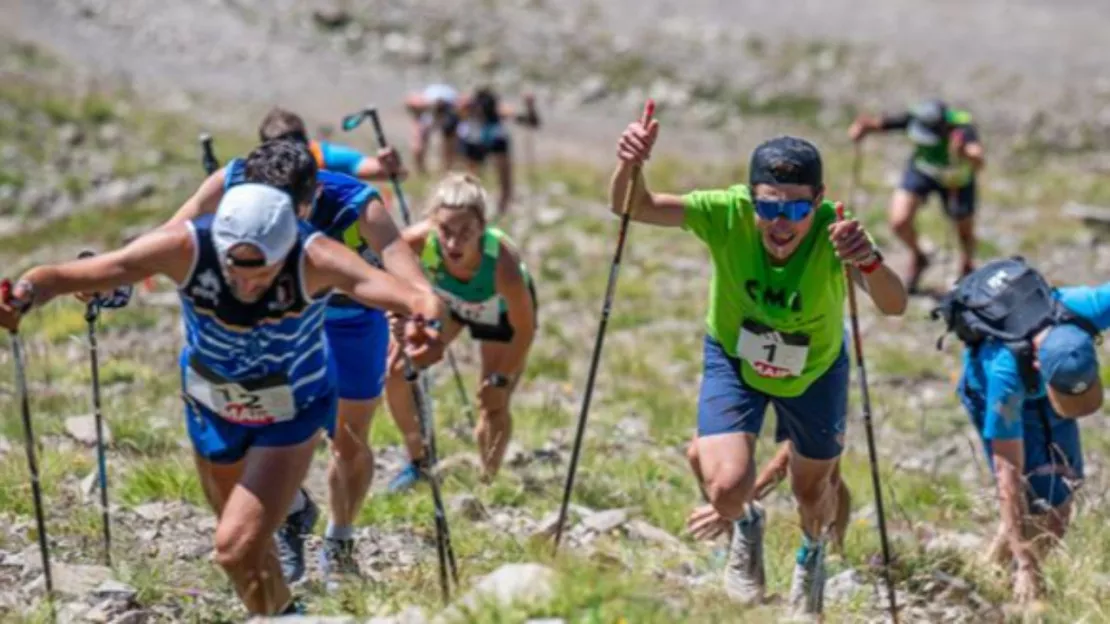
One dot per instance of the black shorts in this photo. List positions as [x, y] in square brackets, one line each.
[476, 145]
[502, 331]
[959, 207]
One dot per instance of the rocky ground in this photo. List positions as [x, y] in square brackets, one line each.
[100, 103]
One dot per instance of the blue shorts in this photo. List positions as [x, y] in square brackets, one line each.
[1047, 471]
[223, 442]
[360, 345]
[921, 185]
[814, 422]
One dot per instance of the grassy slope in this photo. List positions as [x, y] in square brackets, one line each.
[649, 371]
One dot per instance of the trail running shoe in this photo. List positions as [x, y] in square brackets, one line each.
[807, 590]
[291, 537]
[744, 577]
[337, 560]
[406, 478]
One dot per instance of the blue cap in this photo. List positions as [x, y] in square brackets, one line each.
[1068, 359]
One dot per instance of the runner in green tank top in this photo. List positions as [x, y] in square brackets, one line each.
[946, 160]
[479, 272]
[774, 334]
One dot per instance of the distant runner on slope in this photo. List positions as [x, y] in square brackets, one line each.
[472, 126]
[774, 335]
[946, 160]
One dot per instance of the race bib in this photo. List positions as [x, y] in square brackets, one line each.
[259, 402]
[772, 353]
[486, 312]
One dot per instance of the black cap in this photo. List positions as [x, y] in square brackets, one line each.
[786, 160]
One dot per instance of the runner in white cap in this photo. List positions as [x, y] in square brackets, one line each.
[257, 380]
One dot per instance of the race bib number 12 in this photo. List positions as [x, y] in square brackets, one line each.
[772, 353]
[234, 403]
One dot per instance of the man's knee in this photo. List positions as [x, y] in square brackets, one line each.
[729, 490]
[238, 543]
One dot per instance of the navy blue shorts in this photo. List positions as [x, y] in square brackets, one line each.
[923, 186]
[360, 345]
[1048, 472]
[814, 422]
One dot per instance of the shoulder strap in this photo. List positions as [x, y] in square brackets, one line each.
[1030, 378]
[431, 256]
[317, 150]
[491, 242]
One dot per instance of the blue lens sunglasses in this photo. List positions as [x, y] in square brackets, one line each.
[793, 210]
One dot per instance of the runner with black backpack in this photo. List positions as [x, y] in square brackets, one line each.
[1030, 370]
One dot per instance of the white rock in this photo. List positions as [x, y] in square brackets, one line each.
[530, 583]
[83, 429]
[605, 521]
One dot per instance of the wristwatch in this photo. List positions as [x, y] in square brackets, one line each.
[497, 380]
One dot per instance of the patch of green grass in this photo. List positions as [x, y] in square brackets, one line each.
[54, 467]
[102, 228]
[165, 478]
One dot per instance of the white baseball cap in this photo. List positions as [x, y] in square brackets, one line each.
[258, 215]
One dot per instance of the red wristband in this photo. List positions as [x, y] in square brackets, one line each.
[871, 266]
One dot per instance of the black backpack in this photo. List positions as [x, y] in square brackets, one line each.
[1009, 301]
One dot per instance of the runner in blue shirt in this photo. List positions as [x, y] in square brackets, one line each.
[351, 212]
[1031, 438]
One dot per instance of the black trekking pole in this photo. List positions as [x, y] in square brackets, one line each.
[352, 121]
[872, 454]
[444, 551]
[207, 155]
[92, 311]
[29, 442]
[614, 269]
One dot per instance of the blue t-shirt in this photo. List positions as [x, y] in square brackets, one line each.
[993, 375]
[340, 158]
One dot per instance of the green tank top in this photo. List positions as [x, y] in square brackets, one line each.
[475, 300]
[933, 160]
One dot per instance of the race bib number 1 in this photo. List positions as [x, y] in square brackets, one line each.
[772, 353]
[258, 406]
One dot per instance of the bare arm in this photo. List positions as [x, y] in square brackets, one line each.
[398, 254]
[885, 288]
[331, 264]
[415, 236]
[647, 207]
[1009, 463]
[167, 251]
[204, 201]
[521, 311]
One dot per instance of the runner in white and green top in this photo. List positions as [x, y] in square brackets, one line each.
[774, 335]
[946, 158]
[479, 272]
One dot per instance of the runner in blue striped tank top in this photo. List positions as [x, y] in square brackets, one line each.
[257, 377]
[353, 212]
